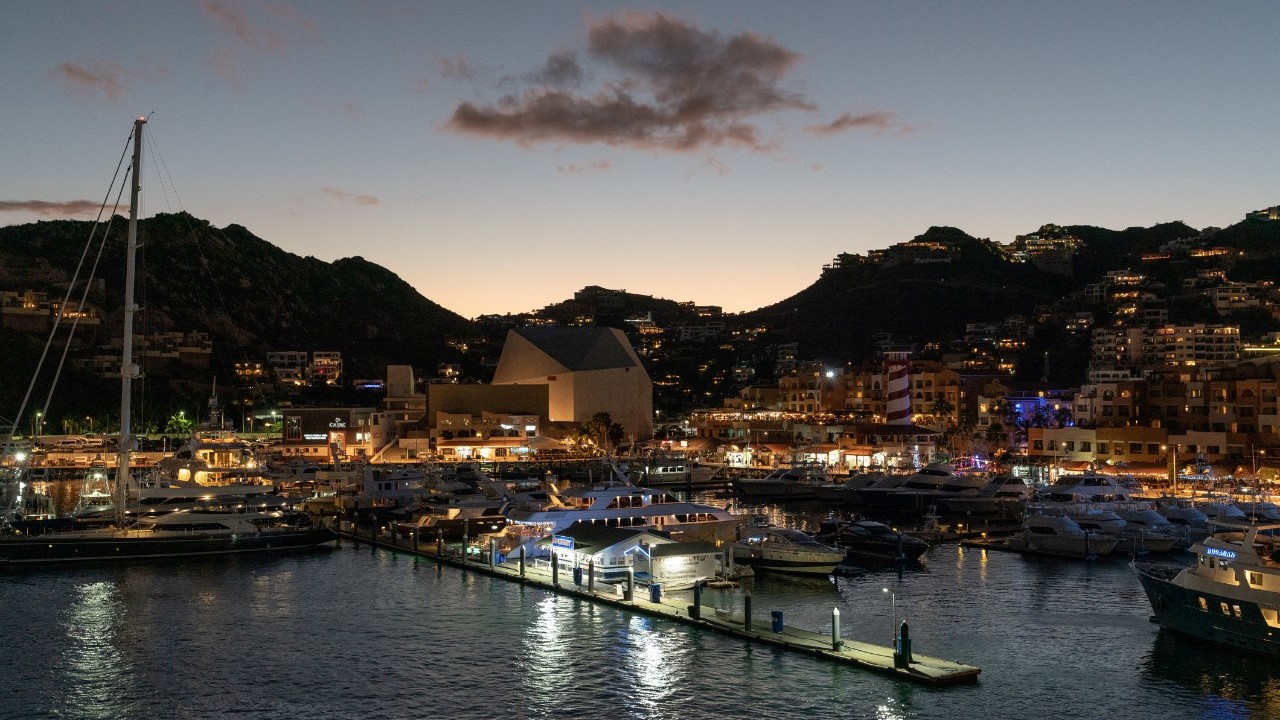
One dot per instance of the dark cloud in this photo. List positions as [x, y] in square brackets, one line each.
[877, 122]
[672, 87]
[456, 69]
[87, 78]
[344, 195]
[561, 70]
[51, 209]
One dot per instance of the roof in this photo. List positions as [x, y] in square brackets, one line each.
[591, 538]
[580, 348]
[699, 547]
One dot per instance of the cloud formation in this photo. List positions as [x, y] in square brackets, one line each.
[271, 28]
[51, 209]
[671, 86]
[86, 78]
[591, 167]
[340, 194]
[878, 122]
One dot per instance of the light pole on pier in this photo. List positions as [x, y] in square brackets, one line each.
[893, 603]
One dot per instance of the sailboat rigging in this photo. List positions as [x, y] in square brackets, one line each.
[174, 534]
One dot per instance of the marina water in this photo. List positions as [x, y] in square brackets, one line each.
[357, 632]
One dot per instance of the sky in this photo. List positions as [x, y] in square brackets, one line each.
[499, 156]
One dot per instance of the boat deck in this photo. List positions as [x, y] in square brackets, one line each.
[921, 669]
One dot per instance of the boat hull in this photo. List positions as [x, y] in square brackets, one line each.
[802, 564]
[1178, 610]
[50, 549]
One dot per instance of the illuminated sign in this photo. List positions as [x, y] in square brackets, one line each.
[337, 423]
[1224, 554]
[315, 436]
[559, 541]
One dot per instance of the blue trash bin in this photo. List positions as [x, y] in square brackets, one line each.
[777, 621]
[577, 576]
[655, 593]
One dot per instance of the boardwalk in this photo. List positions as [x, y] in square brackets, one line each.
[877, 658]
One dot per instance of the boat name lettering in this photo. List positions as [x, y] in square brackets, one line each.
[1216, 552]
[561, 541]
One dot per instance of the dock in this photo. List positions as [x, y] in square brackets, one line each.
[763, 628]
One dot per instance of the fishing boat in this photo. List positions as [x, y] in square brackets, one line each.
[1229, 596]
[174, 534]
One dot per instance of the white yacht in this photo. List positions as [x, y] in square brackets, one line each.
[792, 482]
[918, 491]
[1060, 535]
[1095, 489]
[620, 504]
[1134, 539]
[787, 552]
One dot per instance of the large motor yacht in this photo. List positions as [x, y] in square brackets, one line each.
[620, 504]
[1230, 596]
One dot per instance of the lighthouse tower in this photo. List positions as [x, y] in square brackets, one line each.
[898, 385]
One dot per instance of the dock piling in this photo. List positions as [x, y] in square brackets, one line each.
[746, 611]
[835, 629]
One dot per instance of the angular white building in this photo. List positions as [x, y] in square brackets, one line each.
[586, 370]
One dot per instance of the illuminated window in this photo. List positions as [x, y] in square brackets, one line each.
[1204, 605]
[1235, 609]
[1225, 609]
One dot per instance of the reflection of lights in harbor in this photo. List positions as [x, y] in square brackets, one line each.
[654, 662]
[97, 673]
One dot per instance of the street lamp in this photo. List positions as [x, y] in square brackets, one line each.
[893, 603]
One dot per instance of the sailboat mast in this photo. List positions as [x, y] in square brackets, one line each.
[128, 370]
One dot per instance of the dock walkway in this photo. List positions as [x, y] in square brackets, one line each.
[877, 658]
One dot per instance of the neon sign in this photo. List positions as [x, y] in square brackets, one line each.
[1224, 554]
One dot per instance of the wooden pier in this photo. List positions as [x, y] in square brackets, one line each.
[759, 628]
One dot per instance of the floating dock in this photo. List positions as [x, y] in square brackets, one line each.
[766, 629]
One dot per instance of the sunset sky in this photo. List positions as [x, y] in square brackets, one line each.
[499, 156]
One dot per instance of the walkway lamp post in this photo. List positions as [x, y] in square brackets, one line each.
[893, 603]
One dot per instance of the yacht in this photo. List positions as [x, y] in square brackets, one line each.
[1001, 495]
[1230, 596]
[620, 504]
[1134, 539]
[846, 493]
[1096, 489]
[670, 472]
[174, 534]
[867, 542]
[786, 552]
[1060, 535]
[1260, 510]
[921, 490]
[792, 482]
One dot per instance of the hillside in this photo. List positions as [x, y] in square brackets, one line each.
[248, 295]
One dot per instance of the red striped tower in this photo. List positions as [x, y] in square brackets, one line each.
[898, 401]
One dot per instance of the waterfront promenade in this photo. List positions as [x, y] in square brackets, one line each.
[748, 625]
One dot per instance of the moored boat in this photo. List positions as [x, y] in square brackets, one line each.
[1229, 596]
[787, 552]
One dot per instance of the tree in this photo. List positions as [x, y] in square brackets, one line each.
[603, 431]
[179, 424]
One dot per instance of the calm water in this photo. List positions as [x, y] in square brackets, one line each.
[362, 633]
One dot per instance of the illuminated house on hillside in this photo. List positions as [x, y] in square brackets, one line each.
[586, 370]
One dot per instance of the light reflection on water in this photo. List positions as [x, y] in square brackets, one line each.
[373, 634]
[97, 674]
